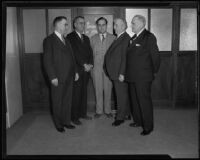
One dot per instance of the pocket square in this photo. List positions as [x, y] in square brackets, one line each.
[138, 45]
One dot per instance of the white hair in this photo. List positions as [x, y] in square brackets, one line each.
[123, 21]
[141, 18]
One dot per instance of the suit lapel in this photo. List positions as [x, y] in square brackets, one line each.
[82, 44]
[58, 39]
[65, 46]
[117, 41]
[77, 37]
[138, 39]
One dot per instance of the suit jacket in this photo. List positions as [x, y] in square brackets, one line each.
[143, 59]
[115, 58]
[58, 58]
[99, 49]
[82, 50]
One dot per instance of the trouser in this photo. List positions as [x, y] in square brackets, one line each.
[141, 103]
[123, 107]
[79, 100]
[103, 90]
[61, 97]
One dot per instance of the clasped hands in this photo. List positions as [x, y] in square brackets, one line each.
[87, 67]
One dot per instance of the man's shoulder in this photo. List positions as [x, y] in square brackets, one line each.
[95, 36]
[49, 37]
[85, 36]
[150, 35]
[111, 35]
[126, 36]
[71, 34]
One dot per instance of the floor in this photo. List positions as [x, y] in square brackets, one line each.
[175, 134]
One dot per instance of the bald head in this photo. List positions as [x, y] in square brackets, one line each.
[120, 25]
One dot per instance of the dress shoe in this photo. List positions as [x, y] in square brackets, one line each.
[77, 122]
[134, 125]
[117, 122]
[97, 115]
[87, 117]
[60, 129]
[109, 115]
[69, 126]
[145, 132]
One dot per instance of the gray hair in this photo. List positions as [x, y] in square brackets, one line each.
[141, 18]
[124, 21]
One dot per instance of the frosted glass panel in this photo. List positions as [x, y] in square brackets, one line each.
[130, 13]
[34, 24]
[161, 26]
[188, 29]
[53, 13]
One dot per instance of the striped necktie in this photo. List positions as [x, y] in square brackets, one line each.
[132, 39]
[82, 38]
[103, 38]
[63, 39]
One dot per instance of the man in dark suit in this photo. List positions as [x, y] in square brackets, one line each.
[84, 58]
[114, 65]
[143, 62]
[60, 66]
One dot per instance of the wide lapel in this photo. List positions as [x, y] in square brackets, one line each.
[138, 39]
[83, 44]
[117, 41]
[58, 40]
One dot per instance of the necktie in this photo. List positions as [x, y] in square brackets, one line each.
[63, 39]
[132, 39]
[82, 37]
[103, 38]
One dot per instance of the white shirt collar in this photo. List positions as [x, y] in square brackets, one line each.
[58, 34]
[140, 31]
[120, 34]
[105, 34]
[79, 34]
[100, 35]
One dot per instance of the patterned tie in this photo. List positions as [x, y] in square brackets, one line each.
[63, 39]
[103, 38]
[82, 38]
[132, 39]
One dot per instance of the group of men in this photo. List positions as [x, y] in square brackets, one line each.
[128, 64]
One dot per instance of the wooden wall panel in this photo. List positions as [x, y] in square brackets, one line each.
[186, 72]
[162, 84]
[36, 86]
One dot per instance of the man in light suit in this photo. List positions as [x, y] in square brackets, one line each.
[59, 63]
[115, 62]
[143, 61]
[84, 58]
[100, 42]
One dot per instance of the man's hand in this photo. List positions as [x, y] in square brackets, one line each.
[87, 67]
[121, 78]
[54, 81]
[76, 77]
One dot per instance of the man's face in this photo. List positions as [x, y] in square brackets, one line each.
[118, 26]
[102, 26]
[136, 25]
[63, 26]
[80, 25]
